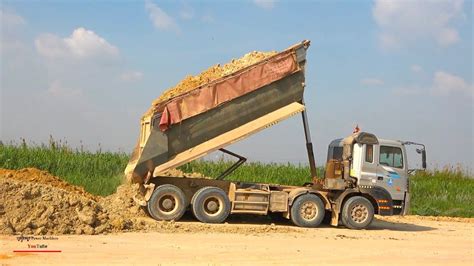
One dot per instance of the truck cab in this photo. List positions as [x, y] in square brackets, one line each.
[377, 164]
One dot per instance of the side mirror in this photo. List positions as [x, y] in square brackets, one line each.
[423, 158]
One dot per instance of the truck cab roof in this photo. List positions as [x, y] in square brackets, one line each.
[338, 142]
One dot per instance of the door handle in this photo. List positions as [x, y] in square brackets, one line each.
[379, 177]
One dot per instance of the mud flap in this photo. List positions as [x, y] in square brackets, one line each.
[406, 204]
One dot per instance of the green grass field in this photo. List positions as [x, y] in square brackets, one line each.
[446, 192]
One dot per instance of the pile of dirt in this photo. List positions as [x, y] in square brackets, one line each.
[213, 73]
[43, 177]
[36, 208]
[36, 202]
[179, 173]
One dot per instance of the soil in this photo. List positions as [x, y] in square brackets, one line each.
[36, 203]
[401, 241]
[213, 73]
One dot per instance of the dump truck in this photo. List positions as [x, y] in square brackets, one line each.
[364, 175]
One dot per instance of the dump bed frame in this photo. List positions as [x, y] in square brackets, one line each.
[226, 123]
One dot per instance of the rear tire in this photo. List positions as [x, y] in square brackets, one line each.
[210, 205]
[357, 213]
[167, 203]
[307, 211]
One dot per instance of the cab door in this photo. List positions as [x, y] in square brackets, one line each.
[391, 170]
[368, 174]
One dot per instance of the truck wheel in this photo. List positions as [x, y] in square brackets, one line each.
[307, 211]
[167, 203]
[210, 205]
[357, 213]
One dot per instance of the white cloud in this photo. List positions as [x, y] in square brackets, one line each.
[403, 22]
[81, 44]
[160, 19]
[57, 89]
[407, 91]
[371, 82]
[416, 68]
[12, 34]
[9, 18]
[207, 18]
[186, 12]
[445, 83]
[131, 76]
[265, 4]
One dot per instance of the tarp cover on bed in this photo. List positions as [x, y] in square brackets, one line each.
[227, 88]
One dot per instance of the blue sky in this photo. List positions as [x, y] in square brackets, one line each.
[86, 71]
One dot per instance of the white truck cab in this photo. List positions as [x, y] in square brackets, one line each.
[377, 163]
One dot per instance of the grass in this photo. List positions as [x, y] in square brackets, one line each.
[447, 192]
[98, 172]
[256, 172]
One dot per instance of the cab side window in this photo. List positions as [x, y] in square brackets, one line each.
[391, 156]
[369, 153]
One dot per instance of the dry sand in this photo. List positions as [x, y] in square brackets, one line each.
[399, 241]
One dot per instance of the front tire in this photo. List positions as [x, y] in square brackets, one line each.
[167, 203]
[307, 211]
[210, 205]
[357, 213]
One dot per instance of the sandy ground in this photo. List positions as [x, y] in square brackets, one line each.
[390, 240]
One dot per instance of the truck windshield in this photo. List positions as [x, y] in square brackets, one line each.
[391, 156]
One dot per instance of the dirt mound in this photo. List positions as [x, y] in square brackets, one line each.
[179, 173]
[36, 202]
[213, 73]
[34, 208]
[43, 177]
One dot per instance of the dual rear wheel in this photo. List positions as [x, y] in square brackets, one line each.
[208, 204]
[308, 211]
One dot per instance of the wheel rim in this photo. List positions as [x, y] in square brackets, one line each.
[213, 206]
[167, 203]
[360, 213]
[309, 210]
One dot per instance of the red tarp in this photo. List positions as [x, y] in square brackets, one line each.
[223, 90]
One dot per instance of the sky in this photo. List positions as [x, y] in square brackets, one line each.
[85, 71]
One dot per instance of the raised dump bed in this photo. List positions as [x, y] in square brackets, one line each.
[219, 113]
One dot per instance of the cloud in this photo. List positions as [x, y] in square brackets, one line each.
[160, 19]
[265, 4]
[131, 76]
[12, 34]
[405, 22]
[57, 89]
[82, 43]
[416, 68]
[371, 82]
[445, 83]
[9, 18]
[186, 12]
[407, 91]
[207, 19]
